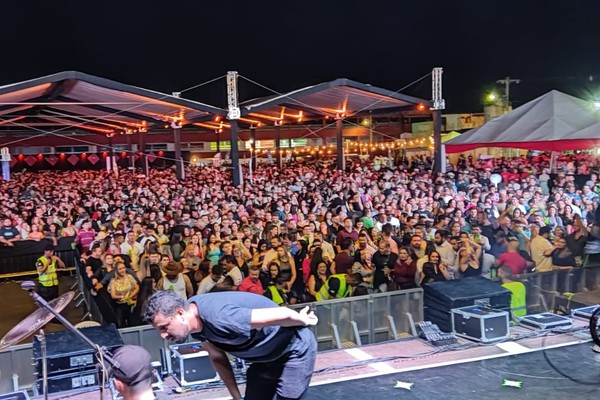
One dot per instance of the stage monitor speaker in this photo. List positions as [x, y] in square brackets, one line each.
[14, 396]
[66, 353]
[443, 296]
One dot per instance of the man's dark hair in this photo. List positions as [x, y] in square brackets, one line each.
[346, 243]
[386, 229]
[164, 302]
[443, 233]
[217, 269]
[228, 259]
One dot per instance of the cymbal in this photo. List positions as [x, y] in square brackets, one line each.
[35, 321]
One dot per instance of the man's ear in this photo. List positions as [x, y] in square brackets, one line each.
[120, 386]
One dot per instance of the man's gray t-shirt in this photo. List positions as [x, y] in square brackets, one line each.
[226, 324]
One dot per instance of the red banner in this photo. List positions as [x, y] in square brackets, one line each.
[93, 158]
[73, 159]
[30, 160]
[52, 160]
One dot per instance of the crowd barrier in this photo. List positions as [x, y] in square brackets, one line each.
[20, 259]
[543, 287]
[360, 320]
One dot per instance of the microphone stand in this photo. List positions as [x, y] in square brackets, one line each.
[101, 352]
[42, 338]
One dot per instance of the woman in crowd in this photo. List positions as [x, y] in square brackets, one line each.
[469, 257]
[163, 239]
[239, 259]
[195, 246]
[434, 270]
[577, 239]
[36, 233]
[553, 220]
[68, 228]
[123, 288]
[405, 270]
[317, 279]
[259, 254]
[561, 255]
[213, 249]
[287, 268]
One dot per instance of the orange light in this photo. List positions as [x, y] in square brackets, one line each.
[83, 155]
[40, 156]
[161, 153]
[105, 154]
[62, 155]
[421, 107]
[123, 154]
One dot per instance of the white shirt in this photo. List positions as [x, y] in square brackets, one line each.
[207, 284]
[178, 286]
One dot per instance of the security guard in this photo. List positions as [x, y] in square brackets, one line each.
[337, 286]
[47, 276]
[518, 298]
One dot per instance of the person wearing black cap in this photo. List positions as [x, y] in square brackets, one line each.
[134, 375]
[251, 327]
[47, 276]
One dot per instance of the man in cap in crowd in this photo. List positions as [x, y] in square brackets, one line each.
[134, 375]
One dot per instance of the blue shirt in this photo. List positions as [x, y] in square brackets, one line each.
[226, 324]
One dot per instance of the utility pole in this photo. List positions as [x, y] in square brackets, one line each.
[507, 82]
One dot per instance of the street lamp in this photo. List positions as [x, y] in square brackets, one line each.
[597, 104]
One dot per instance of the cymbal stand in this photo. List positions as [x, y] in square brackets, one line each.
[101, 352]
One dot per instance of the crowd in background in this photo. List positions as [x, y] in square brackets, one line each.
[306, 232]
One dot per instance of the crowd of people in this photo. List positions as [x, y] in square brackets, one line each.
[306, 232]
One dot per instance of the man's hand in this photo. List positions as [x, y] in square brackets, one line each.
[308, 316]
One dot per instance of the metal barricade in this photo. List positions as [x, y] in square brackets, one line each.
[543, 287]
[355, 321]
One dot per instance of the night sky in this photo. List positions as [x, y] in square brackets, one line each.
[172, 45]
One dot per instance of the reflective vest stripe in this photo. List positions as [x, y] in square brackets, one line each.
[275, 295]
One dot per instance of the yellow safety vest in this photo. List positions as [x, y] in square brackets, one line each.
[49, 278]
[518, 298]
[343, 290]
[275, 295]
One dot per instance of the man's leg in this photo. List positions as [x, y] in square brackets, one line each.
[298, 370]
[261, 381]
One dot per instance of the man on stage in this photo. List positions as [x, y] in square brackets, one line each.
[274, 339]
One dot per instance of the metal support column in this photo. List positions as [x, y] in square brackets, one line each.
[437, 140]
[130, 151]
[233, 114]
[278, 145]
[235, 154]
[178, 160]
[339, 140]
[253, 147]
[439, 161]
[142, 152]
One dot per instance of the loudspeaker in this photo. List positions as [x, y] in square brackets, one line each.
[441, 297]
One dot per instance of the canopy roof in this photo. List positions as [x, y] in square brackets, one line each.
[338, 98]
[553, 122]
[90, 103]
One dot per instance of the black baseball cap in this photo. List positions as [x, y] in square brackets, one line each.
[135, 365]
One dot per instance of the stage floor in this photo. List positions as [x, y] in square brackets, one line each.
[469, 371]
